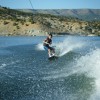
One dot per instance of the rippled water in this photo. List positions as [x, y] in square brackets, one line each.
[27, 74]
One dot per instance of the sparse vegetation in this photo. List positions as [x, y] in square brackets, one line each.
[45, 22]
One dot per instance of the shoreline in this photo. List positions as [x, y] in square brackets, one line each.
[90, 35]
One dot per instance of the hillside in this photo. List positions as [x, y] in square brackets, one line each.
[84, 14]
[15, 22]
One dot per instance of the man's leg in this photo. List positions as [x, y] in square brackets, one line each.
[49, 52]
[53, 51]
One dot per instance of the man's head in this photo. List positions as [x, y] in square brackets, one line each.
[50, 35]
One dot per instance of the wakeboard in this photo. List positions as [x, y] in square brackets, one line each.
[53, 58]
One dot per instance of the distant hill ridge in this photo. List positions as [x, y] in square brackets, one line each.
[37, 22]
[84, 14]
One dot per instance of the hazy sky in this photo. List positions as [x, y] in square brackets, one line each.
[52, 4]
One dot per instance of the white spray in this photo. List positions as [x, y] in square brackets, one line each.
[90, 64]
[68, 45]
[65, 46]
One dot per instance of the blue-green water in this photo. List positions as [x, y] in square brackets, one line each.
[27, 74]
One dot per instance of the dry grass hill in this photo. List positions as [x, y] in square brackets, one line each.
[15, 22]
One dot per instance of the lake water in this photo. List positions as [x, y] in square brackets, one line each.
[27, 74]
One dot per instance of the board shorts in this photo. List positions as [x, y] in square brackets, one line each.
[46, 47]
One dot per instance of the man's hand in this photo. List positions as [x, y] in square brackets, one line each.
[46, 42]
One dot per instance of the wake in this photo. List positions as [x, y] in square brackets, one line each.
[67, 45]
[90, 64]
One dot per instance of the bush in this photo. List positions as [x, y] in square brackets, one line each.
[27, 24]
[5, 22]
[17, 27]
[15, 24]
[33, 22]
[22, 22]
[47, 24]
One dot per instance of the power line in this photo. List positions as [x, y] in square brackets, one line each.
[31, 4]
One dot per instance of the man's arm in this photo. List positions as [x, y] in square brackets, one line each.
[45, 41]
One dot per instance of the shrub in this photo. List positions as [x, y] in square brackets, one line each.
[33, 22]
[5, 22]
[27, 24]
[22, 22]
[17, 27]
[15, 24]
